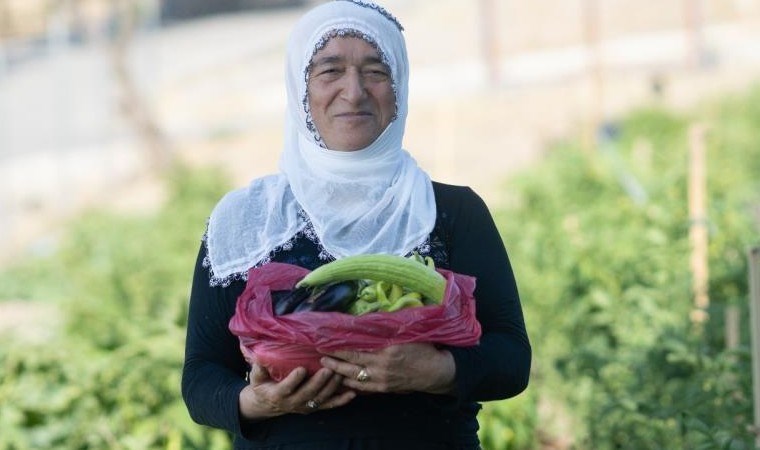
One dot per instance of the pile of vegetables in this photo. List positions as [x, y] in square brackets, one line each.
[365, 283]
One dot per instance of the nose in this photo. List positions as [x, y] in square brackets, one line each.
[353, 86]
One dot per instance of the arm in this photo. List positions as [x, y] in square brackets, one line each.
[499, 366]
[213, 375]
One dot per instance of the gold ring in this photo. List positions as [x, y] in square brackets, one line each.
[312, 404]
[362, 376]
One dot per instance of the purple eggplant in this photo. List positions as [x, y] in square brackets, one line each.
[331, 297]
[286, 302]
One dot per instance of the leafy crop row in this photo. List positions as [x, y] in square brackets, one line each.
[601, 251]
[111, 380]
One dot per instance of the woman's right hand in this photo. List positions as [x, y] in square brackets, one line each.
[295, 394]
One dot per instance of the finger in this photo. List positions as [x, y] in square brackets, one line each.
[327, 392]
[288, 385]
[311, 394]
[314, 385]
[352, 356]
[347, 369]
[331, 387]
[258, 374]
[351, 374]
[339, 400]
[366, 386]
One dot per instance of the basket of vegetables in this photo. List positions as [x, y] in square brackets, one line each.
[288, 316]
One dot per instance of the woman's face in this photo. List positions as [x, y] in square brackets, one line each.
[350, 94]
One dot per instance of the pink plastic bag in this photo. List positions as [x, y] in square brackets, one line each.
[282, 343]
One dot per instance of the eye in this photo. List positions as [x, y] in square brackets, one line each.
[328, 72]
[377, 73]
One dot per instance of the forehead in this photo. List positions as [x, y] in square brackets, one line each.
[344, 48]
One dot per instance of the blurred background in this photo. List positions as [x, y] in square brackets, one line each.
[112, 113]
[93, 93]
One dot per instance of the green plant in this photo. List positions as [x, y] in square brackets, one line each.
[112, 379]
[600, 248]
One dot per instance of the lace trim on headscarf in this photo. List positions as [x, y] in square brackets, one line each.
[340, 32]
[380, 10]
[308, 232]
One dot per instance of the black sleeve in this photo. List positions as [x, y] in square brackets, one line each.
[214, 370]
[499, 366]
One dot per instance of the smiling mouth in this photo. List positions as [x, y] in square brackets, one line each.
[350, 115]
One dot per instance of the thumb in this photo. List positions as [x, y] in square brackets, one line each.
[258, 374]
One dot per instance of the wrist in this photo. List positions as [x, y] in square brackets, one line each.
[247, 405]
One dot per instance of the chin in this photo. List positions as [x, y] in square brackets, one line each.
[351, 146]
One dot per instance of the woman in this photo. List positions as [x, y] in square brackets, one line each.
[347, 187]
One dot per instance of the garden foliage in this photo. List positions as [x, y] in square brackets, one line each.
[600, 246]
[111, 380]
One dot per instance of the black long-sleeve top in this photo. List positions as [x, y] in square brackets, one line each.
[464, 240]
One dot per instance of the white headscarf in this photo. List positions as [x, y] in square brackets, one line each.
[373, 200]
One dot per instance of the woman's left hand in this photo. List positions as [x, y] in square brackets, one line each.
[399, 368]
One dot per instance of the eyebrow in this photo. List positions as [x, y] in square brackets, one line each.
[334, 59]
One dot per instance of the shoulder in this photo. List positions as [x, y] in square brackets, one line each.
[452, 198]
[459, 209]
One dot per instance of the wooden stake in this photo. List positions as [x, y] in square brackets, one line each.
[754, 308]
[732, 327]
[698, 216]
